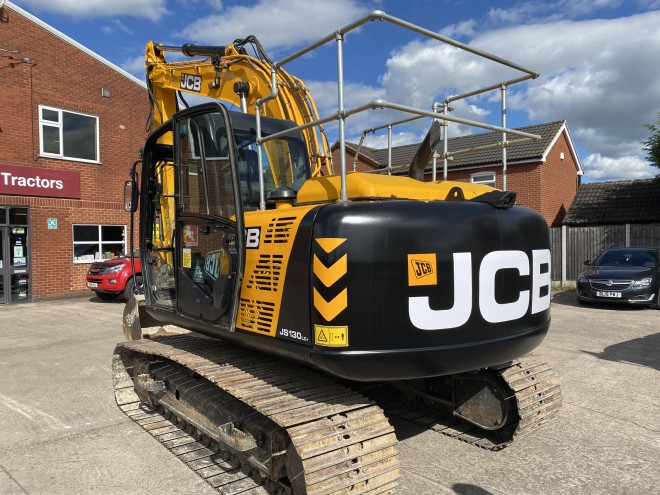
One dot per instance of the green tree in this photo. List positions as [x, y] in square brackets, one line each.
[652, 144]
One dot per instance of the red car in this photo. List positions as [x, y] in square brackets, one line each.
[110, 279]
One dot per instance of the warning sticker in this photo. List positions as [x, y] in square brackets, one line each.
[187, 258]
[330, 336]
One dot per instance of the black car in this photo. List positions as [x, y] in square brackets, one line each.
[629, 275]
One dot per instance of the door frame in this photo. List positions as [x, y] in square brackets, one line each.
[236, 224]
[5, 279]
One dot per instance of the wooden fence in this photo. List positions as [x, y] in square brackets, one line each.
[571, 246]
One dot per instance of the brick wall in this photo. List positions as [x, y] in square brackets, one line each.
[362, 164]
[524, 179]
[560, 182]
[62, 76]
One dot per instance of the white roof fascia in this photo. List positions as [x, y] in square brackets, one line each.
[73, 43]
[576, 159]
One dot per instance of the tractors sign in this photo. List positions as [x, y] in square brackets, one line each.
[31, 181]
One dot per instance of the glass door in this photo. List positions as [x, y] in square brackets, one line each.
[15, 280]
[19, 267]
[209, 217]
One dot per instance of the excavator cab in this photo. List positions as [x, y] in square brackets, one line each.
[190, 231]
[201, 173]
[285, 161]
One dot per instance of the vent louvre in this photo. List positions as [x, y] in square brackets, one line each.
[256, 315]
[279, 230]
[267, 273]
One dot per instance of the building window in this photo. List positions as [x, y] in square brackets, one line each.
[69, 135]
[486, 178]
[98, 242]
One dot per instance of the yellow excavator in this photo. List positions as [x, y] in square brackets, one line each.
[318, 303]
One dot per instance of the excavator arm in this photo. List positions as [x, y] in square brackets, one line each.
[230, 74]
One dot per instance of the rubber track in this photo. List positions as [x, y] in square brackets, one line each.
[343, 439]
[538, 398]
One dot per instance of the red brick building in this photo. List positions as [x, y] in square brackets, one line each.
[71, 126]
[545, 174]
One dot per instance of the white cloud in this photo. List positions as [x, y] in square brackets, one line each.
[398, 139]
[325, 97]
[215, 4]
[596, 74]
[134, 66]
[537, 11]
[279, 23]
[116, 25]
[460, 30]
[149, 9]
[598, 167]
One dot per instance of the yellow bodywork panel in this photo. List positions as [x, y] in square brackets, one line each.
[361, 185]
[266, 266]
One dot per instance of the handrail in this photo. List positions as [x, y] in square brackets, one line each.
[342, 113]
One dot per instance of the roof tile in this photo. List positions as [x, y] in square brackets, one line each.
[402, 155]
[629, 201]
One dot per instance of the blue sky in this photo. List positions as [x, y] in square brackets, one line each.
[598, 59]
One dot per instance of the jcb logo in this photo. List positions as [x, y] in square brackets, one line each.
[425, 318]
[191, 82]
[421, 269]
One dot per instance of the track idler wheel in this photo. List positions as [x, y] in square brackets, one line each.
[295, 470]
[484, 400]
[136, 322]
[131, 320]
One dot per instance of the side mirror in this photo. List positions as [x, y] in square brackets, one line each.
[587, 263]
[130, 196]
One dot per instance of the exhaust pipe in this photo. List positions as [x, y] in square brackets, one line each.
[425, 151]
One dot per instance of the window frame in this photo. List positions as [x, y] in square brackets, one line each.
[485, 178]
[100, 242]
[59, 126]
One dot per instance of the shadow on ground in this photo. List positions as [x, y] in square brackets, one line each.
[98, 300]
[467, 489]
[568, 298]
[644, 351]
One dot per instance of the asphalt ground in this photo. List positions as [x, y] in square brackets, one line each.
[61, 432]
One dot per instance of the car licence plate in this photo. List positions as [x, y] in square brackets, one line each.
[92, 285]
[608, 294]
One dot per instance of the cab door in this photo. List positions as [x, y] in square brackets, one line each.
[209, 219]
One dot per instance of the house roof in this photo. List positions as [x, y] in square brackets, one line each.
[628, 201]
[533, 151]
[72, 42]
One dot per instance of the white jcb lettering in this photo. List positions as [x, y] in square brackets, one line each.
[540, 280]
[491, 310]
[191, 82]
[252, 237]
[423, 317]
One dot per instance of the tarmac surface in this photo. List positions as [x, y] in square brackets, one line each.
[61, 432]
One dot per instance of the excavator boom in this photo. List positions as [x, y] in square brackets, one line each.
[229, 74]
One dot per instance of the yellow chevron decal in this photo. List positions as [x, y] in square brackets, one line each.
[330, 309]
[329, 244]
[329, 275]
